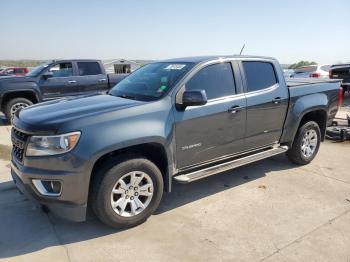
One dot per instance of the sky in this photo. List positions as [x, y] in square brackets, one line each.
[157, 29]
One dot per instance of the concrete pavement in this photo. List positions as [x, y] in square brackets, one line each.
[271, 210]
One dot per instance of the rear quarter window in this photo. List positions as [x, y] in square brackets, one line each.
[259, 75]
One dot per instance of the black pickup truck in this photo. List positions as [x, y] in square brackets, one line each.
[53, 80]
[341, 72]
[180, 119]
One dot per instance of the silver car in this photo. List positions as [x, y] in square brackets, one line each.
[317, 71]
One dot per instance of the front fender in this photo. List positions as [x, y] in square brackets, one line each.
[148, 124]
[13, 87]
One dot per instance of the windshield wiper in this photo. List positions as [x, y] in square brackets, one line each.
[127, 96]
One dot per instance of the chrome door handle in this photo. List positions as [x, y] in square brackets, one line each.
[72, 82]
[276, 100]
[234, 109]
[102, 80]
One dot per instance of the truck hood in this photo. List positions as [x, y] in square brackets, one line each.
[15, 79]
[49, 116]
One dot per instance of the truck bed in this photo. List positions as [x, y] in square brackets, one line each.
[308, 81]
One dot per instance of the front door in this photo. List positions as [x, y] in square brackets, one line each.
[214, 130]
[267, 103]
[62, 83]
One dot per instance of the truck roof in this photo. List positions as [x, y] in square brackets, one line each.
[73, 60]
[200, 59]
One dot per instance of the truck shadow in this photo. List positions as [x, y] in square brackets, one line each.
[25, 229]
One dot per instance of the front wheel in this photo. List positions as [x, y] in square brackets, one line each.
[126, 191]
[306, 144]
[14, 105]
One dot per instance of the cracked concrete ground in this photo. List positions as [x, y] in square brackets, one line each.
[271, 210]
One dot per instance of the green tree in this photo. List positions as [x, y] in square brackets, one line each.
[301, 63]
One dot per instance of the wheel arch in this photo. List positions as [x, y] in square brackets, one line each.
[21, 93]
[313, 107]
[154, 151]
[317, 115]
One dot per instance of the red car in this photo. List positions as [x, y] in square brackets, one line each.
[18, 71]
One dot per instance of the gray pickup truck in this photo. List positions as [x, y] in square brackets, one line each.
[180, 119]
[54, 80]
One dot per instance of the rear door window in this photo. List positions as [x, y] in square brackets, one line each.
[259, 75]
[217, 81]
[89, 68]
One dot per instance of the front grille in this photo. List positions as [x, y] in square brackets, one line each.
[19, 140]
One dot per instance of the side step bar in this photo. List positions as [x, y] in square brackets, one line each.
[212, 170]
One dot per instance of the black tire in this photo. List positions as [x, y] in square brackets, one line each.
[295, 152]
[20, 100]
[105, 180]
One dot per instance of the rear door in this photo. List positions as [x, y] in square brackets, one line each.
[267, 102]
[91, 77]
[208, 132]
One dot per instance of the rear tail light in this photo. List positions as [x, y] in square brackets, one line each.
[315, 75]
[340, 97]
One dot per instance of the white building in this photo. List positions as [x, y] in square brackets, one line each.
[123, 66]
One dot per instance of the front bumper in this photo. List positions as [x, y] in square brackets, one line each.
[67, 205]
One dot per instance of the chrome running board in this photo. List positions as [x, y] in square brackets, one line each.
[212, 170]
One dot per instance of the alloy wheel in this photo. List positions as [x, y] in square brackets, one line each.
[16, 107]
[309, 143]
[132, 194]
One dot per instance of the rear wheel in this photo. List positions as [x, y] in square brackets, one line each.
[306, 144]
[126, 191]
[14, 105]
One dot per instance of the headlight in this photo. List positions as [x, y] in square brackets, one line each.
[52, 145]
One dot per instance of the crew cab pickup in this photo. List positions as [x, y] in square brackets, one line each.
[181, 119]
[53, 80]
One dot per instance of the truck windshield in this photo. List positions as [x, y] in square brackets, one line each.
[37, 70]
[151, 81]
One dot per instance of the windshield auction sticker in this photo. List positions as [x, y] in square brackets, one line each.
[175, 67]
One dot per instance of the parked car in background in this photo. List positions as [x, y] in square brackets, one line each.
[14, 71]
[341, 71]
[181, 119]
[288, 72]
[53, 80]
[317, 71]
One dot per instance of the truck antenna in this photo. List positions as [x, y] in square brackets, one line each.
[242, 49]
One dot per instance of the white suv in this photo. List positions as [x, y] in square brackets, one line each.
[319, 71]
